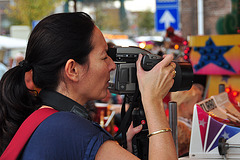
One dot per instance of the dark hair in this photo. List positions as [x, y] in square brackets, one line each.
[56, 39]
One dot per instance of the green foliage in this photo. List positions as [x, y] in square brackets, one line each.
[146, 21]
[230, 23]
[25, 11]
[104, 20]
[100, 17]
[109, 20]
[95, 1]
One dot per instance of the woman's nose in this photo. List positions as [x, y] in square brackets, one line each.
[112, 65]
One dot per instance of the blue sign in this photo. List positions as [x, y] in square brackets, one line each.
[167, 2]
[34, 23]
[167, 14]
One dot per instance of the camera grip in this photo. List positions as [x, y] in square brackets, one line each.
[140, 141]
[149, 61]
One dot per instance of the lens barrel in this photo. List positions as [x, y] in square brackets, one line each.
[184, 77]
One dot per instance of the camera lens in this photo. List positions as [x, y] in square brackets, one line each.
[184, 77]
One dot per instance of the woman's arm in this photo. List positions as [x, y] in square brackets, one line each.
[112, 150]
[154, 86]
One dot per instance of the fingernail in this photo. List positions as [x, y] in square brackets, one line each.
[140, 126]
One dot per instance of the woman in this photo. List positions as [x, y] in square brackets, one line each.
[66, 57]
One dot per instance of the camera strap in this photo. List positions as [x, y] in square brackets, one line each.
[126, 117]
[62, 103]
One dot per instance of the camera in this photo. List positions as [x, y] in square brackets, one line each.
[123, 80]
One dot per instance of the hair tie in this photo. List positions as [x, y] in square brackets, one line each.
[25, 65]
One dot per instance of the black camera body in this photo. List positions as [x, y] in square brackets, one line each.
[124, 80]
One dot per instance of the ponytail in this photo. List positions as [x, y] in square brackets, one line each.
[17, 102]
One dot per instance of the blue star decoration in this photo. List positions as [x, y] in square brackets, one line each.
[211, 53]
[225, 78]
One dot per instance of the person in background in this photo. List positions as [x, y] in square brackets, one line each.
[15, 59]
[185, 102]
[67, 56]
[3, 69]
[91, 108]
[184, 136]
[110, 44]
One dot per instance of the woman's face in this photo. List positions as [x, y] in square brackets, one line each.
[97, 76]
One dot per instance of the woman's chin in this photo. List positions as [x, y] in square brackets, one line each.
[102, 96]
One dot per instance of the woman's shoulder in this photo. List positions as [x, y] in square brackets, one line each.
[68, 121]
[65, 133]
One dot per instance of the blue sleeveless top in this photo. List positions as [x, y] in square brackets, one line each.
[65, 136]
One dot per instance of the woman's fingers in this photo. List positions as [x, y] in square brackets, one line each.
[131, 133]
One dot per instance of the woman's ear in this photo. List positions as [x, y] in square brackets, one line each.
[73, 70]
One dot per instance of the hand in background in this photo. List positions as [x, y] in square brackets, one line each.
[130, 134]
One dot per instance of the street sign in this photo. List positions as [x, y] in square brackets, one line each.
[167, 14]
[34, 23]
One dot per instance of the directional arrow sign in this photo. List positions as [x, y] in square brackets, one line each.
[167, 14]
[167, 19]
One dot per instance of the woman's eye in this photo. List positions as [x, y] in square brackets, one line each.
[105, 58]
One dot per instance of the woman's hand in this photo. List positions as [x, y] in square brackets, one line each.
[130, 134]
[158, 81]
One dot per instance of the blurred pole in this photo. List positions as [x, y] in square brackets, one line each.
[123, 16]
[173, 122]
[75, 5]
[66, 7]
[221, 88]
[200, 11]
